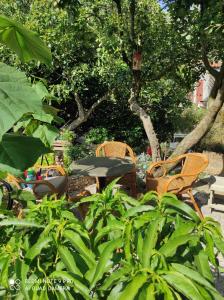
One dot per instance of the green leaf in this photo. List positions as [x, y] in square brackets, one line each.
[128, 241]
[145, 218]
[150, 292]
[114, 226]
[139, 245]
[105, 256]
[135, 210]
[210, 247]
[202, 264]
[5, 272]
[170, 247]
[133, 287]
[114, 277]
[115, 292]
[24, 42]
[78, 286]
[219, 243]
[170, 200]
[77, 242]
[183, 229]
[28, 150]
[150, 242]
[183, 285]
[193, 275]
[46, 133]
[20, 223]
[68, 260]
[17, 97]
[149, 196]
[41, 90]
[43, 117]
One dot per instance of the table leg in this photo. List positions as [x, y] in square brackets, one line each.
[102, 183]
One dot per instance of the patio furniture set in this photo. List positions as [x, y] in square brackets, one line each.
[115, 159]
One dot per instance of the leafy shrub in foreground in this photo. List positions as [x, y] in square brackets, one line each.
[154, 248]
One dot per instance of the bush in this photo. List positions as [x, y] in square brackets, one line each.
[124, 249]
[97, 136]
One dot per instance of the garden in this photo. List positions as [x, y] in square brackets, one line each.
[111, 149]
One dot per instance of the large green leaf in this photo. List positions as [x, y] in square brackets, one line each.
[150, 242]
[17, 153]
[183, 285]
[133, 287]
[24, 42]
[79, 245]
[193, 275]
[104, 258]
[69, 261]
[46, 133]
[17, 97]
[170, 247]
[169, 200]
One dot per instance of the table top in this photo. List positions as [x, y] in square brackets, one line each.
[101, 166]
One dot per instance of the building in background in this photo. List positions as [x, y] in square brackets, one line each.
[203, 88]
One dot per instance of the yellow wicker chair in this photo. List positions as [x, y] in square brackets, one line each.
[121, 150]
[192, 164]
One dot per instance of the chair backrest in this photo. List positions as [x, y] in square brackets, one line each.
[194, 163]
[115, 149]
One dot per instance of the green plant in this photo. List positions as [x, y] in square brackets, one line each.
[154, 248]
[97, 135]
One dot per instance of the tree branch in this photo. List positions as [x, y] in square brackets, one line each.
[80, 106]
[84, 114]
[207, 65]
[97, 103]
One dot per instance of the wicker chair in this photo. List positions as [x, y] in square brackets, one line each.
[192, 164]
[56, 184]
[121, 150]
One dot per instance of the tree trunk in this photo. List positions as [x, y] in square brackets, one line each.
[205, 124]
[148, 126]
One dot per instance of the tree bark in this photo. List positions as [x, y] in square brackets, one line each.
[148, 126]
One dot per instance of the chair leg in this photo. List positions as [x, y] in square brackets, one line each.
[133, 189]
[196, 207]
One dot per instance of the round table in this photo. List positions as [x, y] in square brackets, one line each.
[101, 167]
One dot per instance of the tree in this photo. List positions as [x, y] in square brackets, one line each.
[196, 20]
[73, 47]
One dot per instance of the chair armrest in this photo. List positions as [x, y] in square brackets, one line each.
[179, 176]
[52, 167]
[161, 164]
[156, 165]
